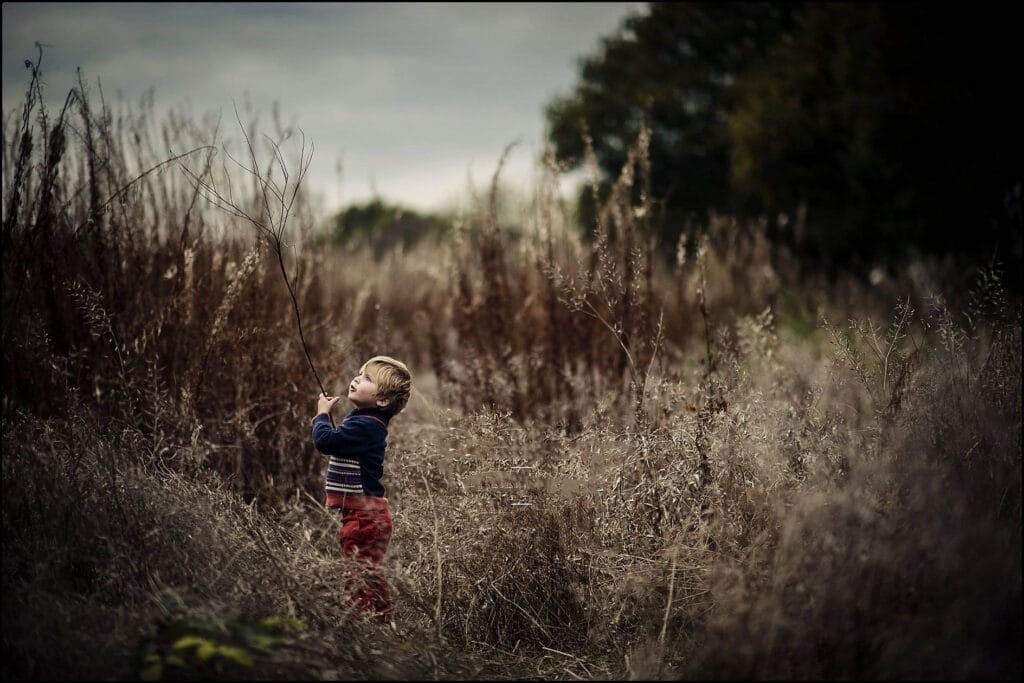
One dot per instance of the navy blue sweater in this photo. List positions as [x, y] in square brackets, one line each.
[356, 449]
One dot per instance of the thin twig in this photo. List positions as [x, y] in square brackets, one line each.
[701, 253]
[668, 602]
[437, 556]
[139, 177]
[271, 230]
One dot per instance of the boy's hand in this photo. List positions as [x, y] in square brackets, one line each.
[326, 403]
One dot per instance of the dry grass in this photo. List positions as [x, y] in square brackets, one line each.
[610, 467]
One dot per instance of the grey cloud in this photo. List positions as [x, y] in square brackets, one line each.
[391, 87]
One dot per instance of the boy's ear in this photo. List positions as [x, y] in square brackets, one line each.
[381, 403]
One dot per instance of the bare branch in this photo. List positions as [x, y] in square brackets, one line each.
[273, 228]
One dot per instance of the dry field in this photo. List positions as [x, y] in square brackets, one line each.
[612, 466]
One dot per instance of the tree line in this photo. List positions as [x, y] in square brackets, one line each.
[860, 131]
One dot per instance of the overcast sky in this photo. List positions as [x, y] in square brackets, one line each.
[411, 97]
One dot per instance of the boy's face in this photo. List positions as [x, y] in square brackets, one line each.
[362, 391]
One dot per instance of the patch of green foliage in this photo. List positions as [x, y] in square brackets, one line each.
[185, 647]
[381, 226]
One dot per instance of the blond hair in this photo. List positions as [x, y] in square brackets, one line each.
[393, 380]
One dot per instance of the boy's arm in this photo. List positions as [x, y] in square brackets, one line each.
[337, 440]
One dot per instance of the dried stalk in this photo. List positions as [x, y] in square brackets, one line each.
[277, 203]
[437, 556]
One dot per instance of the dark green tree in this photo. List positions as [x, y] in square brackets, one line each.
[895, 125]
[674, 69]
[381, 226]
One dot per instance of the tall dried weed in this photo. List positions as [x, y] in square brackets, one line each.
[611, 466]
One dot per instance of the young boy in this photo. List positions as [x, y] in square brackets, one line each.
[356, 449]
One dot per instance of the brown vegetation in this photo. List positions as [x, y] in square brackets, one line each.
[610, 466]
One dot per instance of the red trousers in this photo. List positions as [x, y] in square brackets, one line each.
[364, 536]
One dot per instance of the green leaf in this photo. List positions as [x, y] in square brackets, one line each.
[188, 626]
[175, 660]
[152, 673]
[206, 650]
[189, 641]
[273, 622]
[236, 654]
[264, 642]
